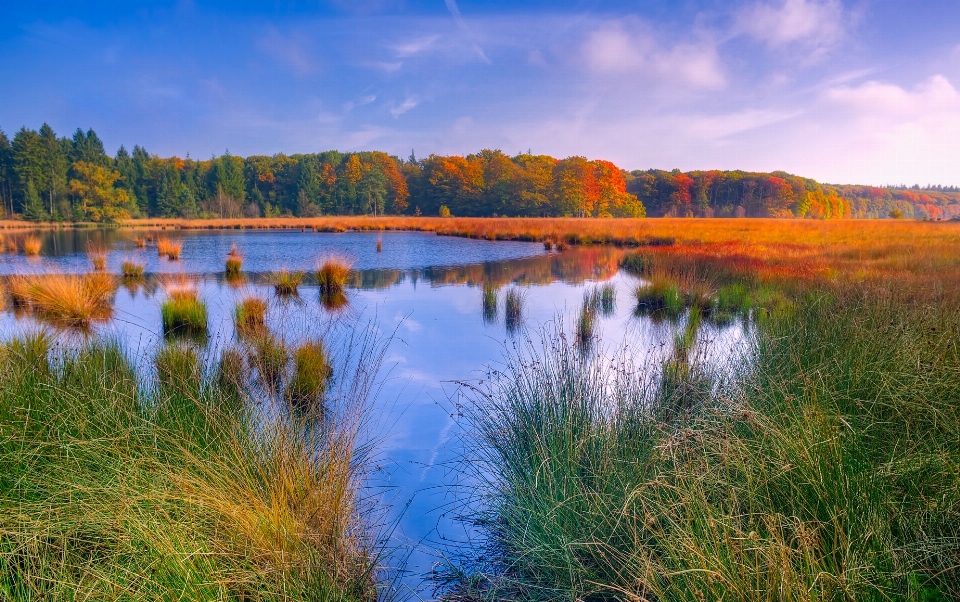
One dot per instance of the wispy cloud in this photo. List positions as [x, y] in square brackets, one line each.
[816, 24]
[409, 103]
[415, 47]
[458, 19]
[288, 49]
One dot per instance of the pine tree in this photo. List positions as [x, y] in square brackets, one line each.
[32, 205]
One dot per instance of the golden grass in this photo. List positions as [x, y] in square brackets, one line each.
[132, 270]
[170, 248]
[250, 314]
[98, 256]
[67, 299]
[234, 262]
[285, 282]
[32, 245]
[333, 275]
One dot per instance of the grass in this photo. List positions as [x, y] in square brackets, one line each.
[660, 294]
[269, 356]
[250, 315]
[183, 312]
[75, 300]
[115, 488]
[311, 374]
[333, 275]
[285, 282]
[170, 248]
[32, 245]
[234, 262]
[132, 270]
[825, 466]
[379, 245]
[513, 301]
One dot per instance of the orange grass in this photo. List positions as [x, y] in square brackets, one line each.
[68, 299]
[32, 245]
[171, 249]
[98, 256]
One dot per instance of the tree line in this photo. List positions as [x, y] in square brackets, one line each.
[45, 177]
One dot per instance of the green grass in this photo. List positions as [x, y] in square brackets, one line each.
[250, 315]
[269, 356]
[115, 489]
[513, 301]
[311, 374]
[286, 283]
[490, 296]
[826, 468]
[660, 294]
[131, 270]
[184, 313]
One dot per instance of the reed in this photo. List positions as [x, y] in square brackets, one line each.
[333, 275]
[170, 248]
[250, 314]
[608, 299]
[98, 256]
[139, 491]
[132, 270]
[311, 374]
[32, 245]
[234, 262]
[68, 299]
[586, 324]
[285, 282]
[183, 312]
[660, 294]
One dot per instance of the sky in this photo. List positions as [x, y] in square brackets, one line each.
[859, 92]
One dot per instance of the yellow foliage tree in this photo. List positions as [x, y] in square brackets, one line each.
[99, 200]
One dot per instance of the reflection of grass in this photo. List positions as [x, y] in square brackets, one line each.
[69, 299]
[490, 299]
[513, 301]
[285, 282]
[168, 492]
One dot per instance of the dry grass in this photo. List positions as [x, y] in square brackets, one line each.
[132, 270]
[250, 314]
[66, 299]
[98, 256]
[170, 248]
[333, 275]
[234, 262]
[32, 245]
[285, 282]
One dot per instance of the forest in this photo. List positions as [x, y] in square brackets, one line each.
[44, 177]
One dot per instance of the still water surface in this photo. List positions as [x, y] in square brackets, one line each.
[423, 289]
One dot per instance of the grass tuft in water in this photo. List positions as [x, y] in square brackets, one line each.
[333, 275]
[285, 283]
[32, 245]
[234, 262]
[660, 294]
[250, 314]
[490, 296]
[132, 270]
[67, 299]
[513, 301]
[183, 312]
[311, 374]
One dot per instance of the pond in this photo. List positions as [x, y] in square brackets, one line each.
[422, 290]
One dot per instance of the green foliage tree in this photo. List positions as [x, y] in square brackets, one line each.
[33, 210]
[7, 176]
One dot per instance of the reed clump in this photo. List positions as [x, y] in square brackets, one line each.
[183, 312]
[67, 299]
[490, 295]
[250, 314]
[311, 373]
[170, 248]
[32, 245]
[98, 256]
[132, 270]
[821, 467]
[285, 282]
[148, 491]
[333, 275]
[234, 262]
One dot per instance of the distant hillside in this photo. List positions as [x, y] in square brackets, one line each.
[46, 177]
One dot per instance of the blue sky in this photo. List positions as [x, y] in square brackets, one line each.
[845, 92]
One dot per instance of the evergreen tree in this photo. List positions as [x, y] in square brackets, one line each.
[89, 148]
[187, 203]
[140, 182]
[32, 205]
[55, 164]
[308, 188]
[7, 175]
[226, 177]
[27, 164]
[169, 193]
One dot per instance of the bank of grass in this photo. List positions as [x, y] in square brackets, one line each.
[825, 467]
[113, 488]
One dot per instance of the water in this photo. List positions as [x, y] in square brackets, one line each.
[423, 288]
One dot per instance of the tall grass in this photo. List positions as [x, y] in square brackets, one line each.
[825, 466]
[333, 275]
[311, 374]
[67, 299]
[285, 282]
[32, 245]
[113, 488]
[234, 262]
[183, 312]
[250, 315]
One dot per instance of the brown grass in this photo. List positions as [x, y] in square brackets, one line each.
[68, 299]
[251, 314]
[98, 256]
[333, 275]
[170, 248]
[32, 245]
